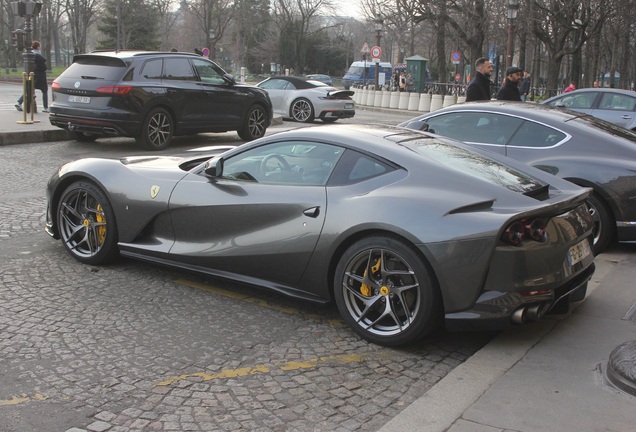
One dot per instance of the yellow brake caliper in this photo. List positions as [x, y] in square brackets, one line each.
[364, 288]
[101, 230]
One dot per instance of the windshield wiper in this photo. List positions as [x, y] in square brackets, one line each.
[91, 77]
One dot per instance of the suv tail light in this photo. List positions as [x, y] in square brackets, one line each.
[55, 85]
[117, 90]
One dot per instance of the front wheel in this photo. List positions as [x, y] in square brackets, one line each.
[302, 111]
[255, 124]
[157, 130]
[86, 223]
[604, 225]
[385, 292]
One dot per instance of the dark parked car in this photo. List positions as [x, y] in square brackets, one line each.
[614, 105]
[153, 96]
[398, 226]
[580, 148]
[322, 78]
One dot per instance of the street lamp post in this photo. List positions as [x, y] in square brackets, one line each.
[513, 7]
[378, 36]
[576, 57]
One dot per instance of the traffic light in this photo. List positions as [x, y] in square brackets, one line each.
[17, 39]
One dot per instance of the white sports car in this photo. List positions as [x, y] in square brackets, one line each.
[303, 100]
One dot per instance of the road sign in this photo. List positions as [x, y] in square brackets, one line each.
[364, 49]
[376, 52]
[206, 52]
[456, 57]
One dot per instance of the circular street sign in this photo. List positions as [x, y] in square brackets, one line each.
[206, 52]
[376, 52]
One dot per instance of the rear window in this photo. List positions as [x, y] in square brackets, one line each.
[474, 164]
[105, 68]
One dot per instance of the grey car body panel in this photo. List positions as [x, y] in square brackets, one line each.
[258, 233]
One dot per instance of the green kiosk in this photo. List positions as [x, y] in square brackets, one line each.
[416, 66]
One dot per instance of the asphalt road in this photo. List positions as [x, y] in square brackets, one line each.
[131, 346]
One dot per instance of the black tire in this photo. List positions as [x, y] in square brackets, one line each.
[81, 136]
[157, 130]
[398, 277]
[301, 110]
[86, 224]
[255, 124]
[329, 119]
[604, 224]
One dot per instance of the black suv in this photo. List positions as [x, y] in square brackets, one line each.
[153, 96]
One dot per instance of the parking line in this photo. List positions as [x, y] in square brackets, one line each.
[333, 323]
[263, 369]
[23, 398]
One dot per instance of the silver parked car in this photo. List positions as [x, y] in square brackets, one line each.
[304, 100]
[614, 105]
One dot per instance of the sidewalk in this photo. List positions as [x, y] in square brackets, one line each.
[546, 376]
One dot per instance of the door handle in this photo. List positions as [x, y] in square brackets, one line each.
[312, 212]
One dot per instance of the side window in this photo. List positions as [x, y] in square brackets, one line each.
[178, 69]
[207, 72]
[582, 100]
[617, 102]
[454, 125]
[355, 167]
[152, 69]
[291, 162]
[536, 135]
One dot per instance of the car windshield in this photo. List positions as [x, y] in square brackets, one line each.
[474, 164]
[101, 68]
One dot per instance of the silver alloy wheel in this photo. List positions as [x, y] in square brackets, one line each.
[83, 225]
[381, 292]
[256, 122]
[302, 111]
[159, 129]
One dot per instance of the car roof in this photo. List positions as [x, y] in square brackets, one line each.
[592, 89]
[298, 82]
[125, 54]
[536, 111]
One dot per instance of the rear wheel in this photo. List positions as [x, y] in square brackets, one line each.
[86, 223]
[302, 111]
[157, 130]
[255, 124]
[81, 136]
[385, 292]
[604, 224]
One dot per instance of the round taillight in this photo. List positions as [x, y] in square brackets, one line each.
[536, 230]
[514, 233]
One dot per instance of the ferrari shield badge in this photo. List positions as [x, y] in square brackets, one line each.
[154, 191]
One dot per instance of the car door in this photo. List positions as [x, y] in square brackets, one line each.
[277, 90]
[539, 145]
[187, 99]
[224, 102]
[261, 218]
[580, 100]
[617, 108]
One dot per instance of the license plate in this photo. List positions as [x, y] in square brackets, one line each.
[578, 252]
[79, 99]
[349, 106]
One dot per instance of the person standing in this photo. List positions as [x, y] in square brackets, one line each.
[39, 78]
[510, 90]
[524, 87]
[402, 82]
[479, 87]
[410, 83]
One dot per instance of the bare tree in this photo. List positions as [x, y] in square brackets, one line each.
[81, 15]
[213, 18]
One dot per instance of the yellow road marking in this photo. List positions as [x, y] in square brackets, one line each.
[333, 323]
[23, 398]
[262, 369]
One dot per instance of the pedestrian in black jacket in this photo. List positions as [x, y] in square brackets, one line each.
[479, 87]
[39, 78]
[510, 90]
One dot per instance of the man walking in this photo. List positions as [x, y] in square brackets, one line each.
[524, 87]
[479, 87]
[510, 90]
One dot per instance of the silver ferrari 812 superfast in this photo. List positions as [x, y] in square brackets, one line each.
[404, 230]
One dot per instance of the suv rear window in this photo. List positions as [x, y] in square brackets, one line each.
[105, 68]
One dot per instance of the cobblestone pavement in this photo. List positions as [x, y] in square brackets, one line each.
[132, 346]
